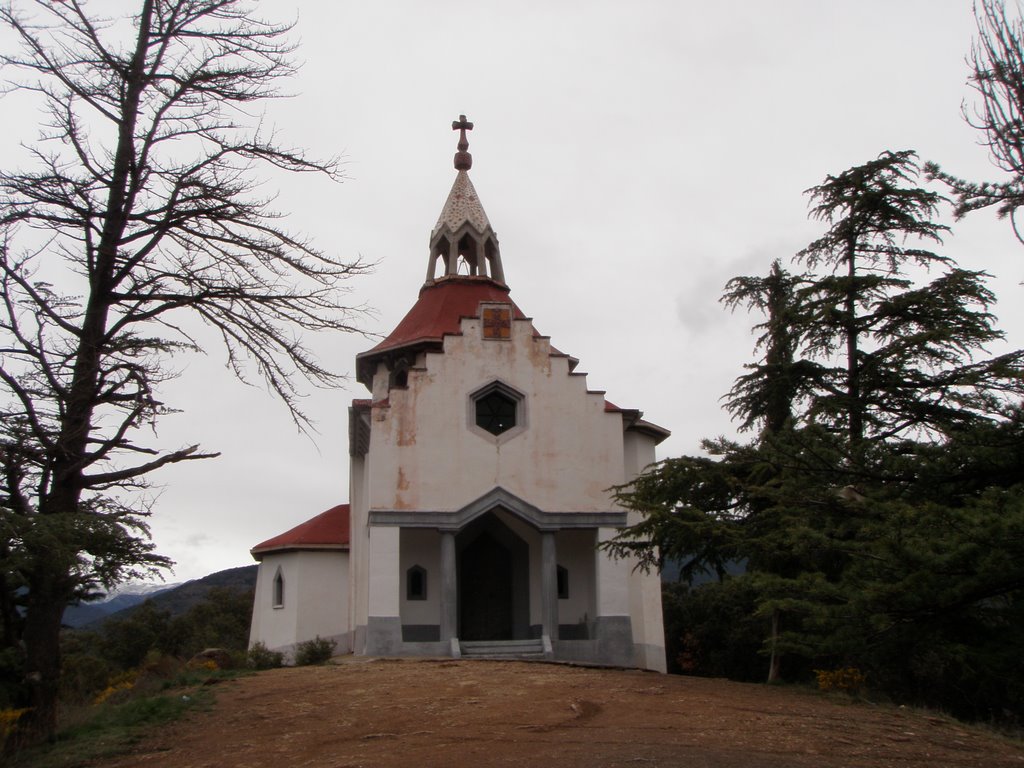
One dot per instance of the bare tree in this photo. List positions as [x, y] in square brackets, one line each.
[997, 75]
[142, 209]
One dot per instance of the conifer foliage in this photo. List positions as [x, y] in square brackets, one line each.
[878, 512]
[895, 346]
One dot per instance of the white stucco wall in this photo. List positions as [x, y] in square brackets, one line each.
[423, 548]
[359, 536]
[384, 576]
[315, 600]
[271, 625]
[644, 588]
[612, 581]
[425, 452]
[575, 553]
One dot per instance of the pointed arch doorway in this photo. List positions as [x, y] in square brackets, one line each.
[493, 582]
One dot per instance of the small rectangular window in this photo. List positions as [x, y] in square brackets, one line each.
[416, 583]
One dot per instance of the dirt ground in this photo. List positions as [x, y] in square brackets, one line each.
[390, 713]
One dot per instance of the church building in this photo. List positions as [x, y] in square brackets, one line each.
[480, 472]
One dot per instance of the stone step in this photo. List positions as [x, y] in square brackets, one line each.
[502, 648]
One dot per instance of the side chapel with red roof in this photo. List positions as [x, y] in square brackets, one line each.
[480, 469]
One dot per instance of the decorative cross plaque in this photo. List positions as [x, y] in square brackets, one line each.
[497, 322]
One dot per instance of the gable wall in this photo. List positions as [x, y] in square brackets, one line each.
[426, 454]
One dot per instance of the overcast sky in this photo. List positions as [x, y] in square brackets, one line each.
[632, 157]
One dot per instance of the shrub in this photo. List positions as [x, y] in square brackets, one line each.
[713, 631]
[161, 665]
[125, 642]
[124, 681]
[315, 651]
[82, 676]
[261, 657]
[847, 679]
[212, 659]
[13, 691]
[221, 620]
[8, 725]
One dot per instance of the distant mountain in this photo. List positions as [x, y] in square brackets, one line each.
[86, 613]
[176, 599]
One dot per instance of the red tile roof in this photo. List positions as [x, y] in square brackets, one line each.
[437, 313]
[328, 530]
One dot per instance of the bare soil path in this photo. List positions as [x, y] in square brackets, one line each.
[390, 713]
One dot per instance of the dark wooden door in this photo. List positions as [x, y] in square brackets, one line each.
[485, 594]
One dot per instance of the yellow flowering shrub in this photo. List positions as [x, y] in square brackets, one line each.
[9, 723]
[122, 682]
[849, 679]
[202, 664]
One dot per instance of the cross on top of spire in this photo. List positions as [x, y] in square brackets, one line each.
[463, 160]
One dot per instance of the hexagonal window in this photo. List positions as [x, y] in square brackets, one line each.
[496, 413]
[497, 409]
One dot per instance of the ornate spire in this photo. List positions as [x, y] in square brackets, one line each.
[463, 238]
[463, 160]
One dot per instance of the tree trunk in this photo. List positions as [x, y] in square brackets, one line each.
[43, 616]
[76, 424]
[50, 581]
[775, 663]
[8, 616]
[855, 412]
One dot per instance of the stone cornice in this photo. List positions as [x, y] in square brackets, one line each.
[498, 498]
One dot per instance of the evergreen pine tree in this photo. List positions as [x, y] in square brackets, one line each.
[879, 509]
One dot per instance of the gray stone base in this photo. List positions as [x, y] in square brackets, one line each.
[610, 643]
[573, 632]
[421, 633]
[580, 651]
[614, 637]
[383, 636]
[359, 639]
[651, 657]
[342, 644]
[427, 649]
[565, 632]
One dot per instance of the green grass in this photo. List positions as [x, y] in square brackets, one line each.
[90, 733]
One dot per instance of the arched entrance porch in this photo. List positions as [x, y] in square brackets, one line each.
[493, 582]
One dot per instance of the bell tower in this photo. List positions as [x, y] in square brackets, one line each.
[463, 240]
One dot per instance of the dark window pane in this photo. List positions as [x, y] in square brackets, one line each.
[416, 583]
[496, 413]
